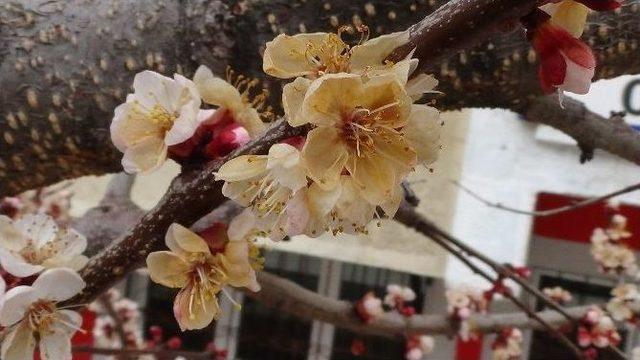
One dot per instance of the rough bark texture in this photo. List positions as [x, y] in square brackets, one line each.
[65, 65]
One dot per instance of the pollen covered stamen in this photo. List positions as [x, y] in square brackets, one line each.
[361, 125]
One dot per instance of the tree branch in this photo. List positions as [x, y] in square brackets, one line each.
[57, 107]
[589, 129]
[284, 295]
[550, 212]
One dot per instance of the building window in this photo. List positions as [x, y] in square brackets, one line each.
[356, 280]
[268, 335]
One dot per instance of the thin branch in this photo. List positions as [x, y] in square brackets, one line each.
[549, 212]
[411, 218]
[455, 250]
[119, 189]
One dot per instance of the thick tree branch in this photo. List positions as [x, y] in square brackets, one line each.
[590, 130]
[287, 296]
[56, 107]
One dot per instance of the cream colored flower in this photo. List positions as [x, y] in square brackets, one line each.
[569, 15]
[34, 243]
[267, 184]
[357, 130]
[235, 99]
[160, 113]
[200, 274]
[33, 318]
[342, 209]
[316, 54]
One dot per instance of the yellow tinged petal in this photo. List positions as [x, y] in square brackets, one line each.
[324, 155]
[168, 269]
[375, 51]
[192, 314]
[293, 95]
[285, 56]
[242, 168]
[216, 91]
[423, 132]
[572, 16]
[330, 96]
[374, 177]
[250, 119]
[187, 240]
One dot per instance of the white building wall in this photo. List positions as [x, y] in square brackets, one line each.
[508, 160]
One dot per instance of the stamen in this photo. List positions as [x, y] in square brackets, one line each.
[236, 305]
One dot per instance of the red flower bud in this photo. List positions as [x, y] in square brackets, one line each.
[566, 63]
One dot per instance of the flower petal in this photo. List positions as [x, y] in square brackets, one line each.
[185, 125]
[421, 84]
[293, 95]
[237, 266]
[131, 124]
[285, 164]
[242, 168]
[185, 239]
[145, 156]
[152, 88]
[56, 345]
[11, 238]
[197, 315]
[324, 156]
[168, 269]
[19, 343]
[285, 56]
[216, 91]
[423, 132]
[58, 284]
[375, 51]
[297, 214]
[250, 119]
[577, 78]
[16, 265]
[375, 178]
[571, 16]
[39, 227]
[241, 225]
[16, 302]
[329, 96]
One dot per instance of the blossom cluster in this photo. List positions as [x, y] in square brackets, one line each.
[128, 316]
[625, 303]
[40, 261]
[507, 345]
[463, 302]
[54, 201]
[366, 134]
[558, 294]
[397, 298]
[201, 265]
[417, 346]
[566, 62]
[610, 250]
[596, 331]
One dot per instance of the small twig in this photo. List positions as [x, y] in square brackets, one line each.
[543, 213]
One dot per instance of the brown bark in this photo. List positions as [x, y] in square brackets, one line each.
[65, 65]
